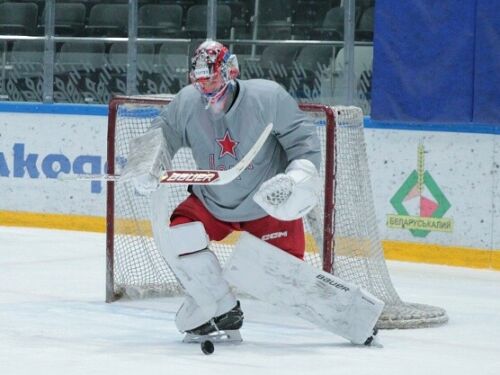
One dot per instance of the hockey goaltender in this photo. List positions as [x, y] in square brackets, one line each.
[220, 118]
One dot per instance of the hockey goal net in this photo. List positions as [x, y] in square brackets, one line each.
[341, 233]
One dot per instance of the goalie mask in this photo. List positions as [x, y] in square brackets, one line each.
[213, 71]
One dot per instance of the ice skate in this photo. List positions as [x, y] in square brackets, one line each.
[224, 327]
[373, 340]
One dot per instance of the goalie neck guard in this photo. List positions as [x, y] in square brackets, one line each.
[213, 71]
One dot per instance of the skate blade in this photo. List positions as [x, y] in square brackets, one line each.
[229, 336]
[373, 342]
[376, 342]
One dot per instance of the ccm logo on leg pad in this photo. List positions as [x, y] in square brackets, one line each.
[273, 236]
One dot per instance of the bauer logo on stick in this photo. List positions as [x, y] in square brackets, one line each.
[200, 177]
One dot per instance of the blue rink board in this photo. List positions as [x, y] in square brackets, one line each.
[102, 110]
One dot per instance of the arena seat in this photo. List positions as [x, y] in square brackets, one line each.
[196, 21]
[275, 63]
[275, 20]
[18, 18]
[108, 20]
[314, 57]
[363, 58]
[282, 54]
[156, 20]
[240, 17]
[364, 28]
[310, 66]
[238, 8]
[27, 55]
[364, 4]
[117, 66]
[25, 70]
[307, 16]
[78, 73]
[117, 56]
[69, 19]
[81, 56]
[172, 66]
[174, 56]
[333, 25]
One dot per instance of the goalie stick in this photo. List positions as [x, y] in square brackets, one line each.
[195, 176]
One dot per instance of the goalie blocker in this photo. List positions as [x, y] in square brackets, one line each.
[271, 275]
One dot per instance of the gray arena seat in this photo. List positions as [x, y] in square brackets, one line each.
[156, 20]
[172, 65]
[81, 56]
[69, 19]
[3, 49]
[333, 25]
[275, 63]
[363, 61]
[27, 55]
[80, 73]
[18, 18]
[282, 54]
[307, 16]
[274, 20]
[117, 56]
[108, 20]
[315, 57]
[364, 28]
[196, 21]
[310, 68]
[24, 75]
[117, 67]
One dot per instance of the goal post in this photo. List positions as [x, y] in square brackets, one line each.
[341, 232]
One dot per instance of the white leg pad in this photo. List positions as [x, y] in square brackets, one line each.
[185, 248]
[271, 275]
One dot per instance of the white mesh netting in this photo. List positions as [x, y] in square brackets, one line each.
[136, 269]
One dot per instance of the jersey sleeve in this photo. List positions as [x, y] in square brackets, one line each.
[168, 121]
[294, 131]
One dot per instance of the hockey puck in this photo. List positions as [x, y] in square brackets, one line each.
[207, 347]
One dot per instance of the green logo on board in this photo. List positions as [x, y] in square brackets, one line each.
[420, 203]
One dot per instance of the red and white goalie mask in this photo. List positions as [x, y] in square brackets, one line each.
[213, 70]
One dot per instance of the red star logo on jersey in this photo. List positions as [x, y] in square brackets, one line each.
[227, 145]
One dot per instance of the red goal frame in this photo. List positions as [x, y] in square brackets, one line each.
[329, 185]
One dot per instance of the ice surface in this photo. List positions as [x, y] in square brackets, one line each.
[53, 320]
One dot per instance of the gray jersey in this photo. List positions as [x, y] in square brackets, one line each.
[220, 142]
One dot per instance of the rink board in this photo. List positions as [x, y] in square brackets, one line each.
[436, 191]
